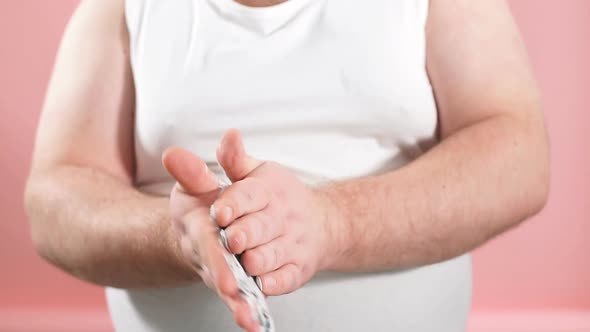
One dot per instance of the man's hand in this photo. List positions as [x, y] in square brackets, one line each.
[190, 202]
[278, 224]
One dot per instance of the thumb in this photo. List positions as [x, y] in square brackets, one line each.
[233, 158]
[190, 171]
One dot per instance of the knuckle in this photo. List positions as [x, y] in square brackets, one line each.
[252, 262]
[294, 279]
[305, 271]
[280, 282]
[255, 190]
[248, 195]
[245, 195]
[248, 188]
[261, 260]
[251, 232]
[235, 239]
[275, 256]
[297, 284]
[292, 274]
[264, 227]
[270, 258]
[233, 194]
[263, 192]
[230, 200]
[257, 229]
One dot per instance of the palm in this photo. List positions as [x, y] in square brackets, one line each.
[190, 202]
[190, 215]
[183, 205]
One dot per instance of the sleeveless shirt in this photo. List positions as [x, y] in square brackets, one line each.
[331, 89]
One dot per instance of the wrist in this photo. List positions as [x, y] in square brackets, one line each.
[336, 240]
[172, 253]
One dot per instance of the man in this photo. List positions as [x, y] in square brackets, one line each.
[388, 138]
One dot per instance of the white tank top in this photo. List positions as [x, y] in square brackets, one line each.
[332, 89]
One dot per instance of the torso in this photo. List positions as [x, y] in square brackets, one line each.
[332, 89]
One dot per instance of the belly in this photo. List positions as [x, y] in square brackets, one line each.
[430, 298]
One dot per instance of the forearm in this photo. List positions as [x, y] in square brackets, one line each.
[473, 185]
[104, 231]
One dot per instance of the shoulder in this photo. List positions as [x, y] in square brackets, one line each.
[100, 21]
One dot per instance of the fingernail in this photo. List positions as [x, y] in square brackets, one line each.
[224, 241]
[259, 283]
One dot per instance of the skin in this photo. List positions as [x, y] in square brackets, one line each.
[489, 173]
[260, 3]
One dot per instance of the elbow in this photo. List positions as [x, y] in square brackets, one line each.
[539, 195]
[541, 174]
[42, 202]
[532, 159]
[34, 203]
[42, 247]
[543, 189]
[526, 195]
[537, 174]
[526, 171]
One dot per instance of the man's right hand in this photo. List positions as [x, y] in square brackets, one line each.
[191, 198]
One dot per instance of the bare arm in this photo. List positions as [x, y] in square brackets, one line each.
[489, 173]
[85, 215]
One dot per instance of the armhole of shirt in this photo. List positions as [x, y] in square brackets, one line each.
[421, 19]
[134, 14]
[423, 11]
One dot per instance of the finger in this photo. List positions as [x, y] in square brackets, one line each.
[204, 236]
[210, 262]
[241, 198]
[244, 317]
[190, 171]
[267, 257]
[285, 280]
[220, 272]
[243, 314]
[189, 252]
[233, 158]
[252, 230]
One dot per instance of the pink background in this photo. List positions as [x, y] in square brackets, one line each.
[535, 278]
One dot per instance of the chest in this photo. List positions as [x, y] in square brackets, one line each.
[332, 65]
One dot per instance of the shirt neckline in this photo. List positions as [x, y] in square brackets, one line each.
[273, 11]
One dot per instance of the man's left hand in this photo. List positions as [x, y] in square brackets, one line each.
[280, 226]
